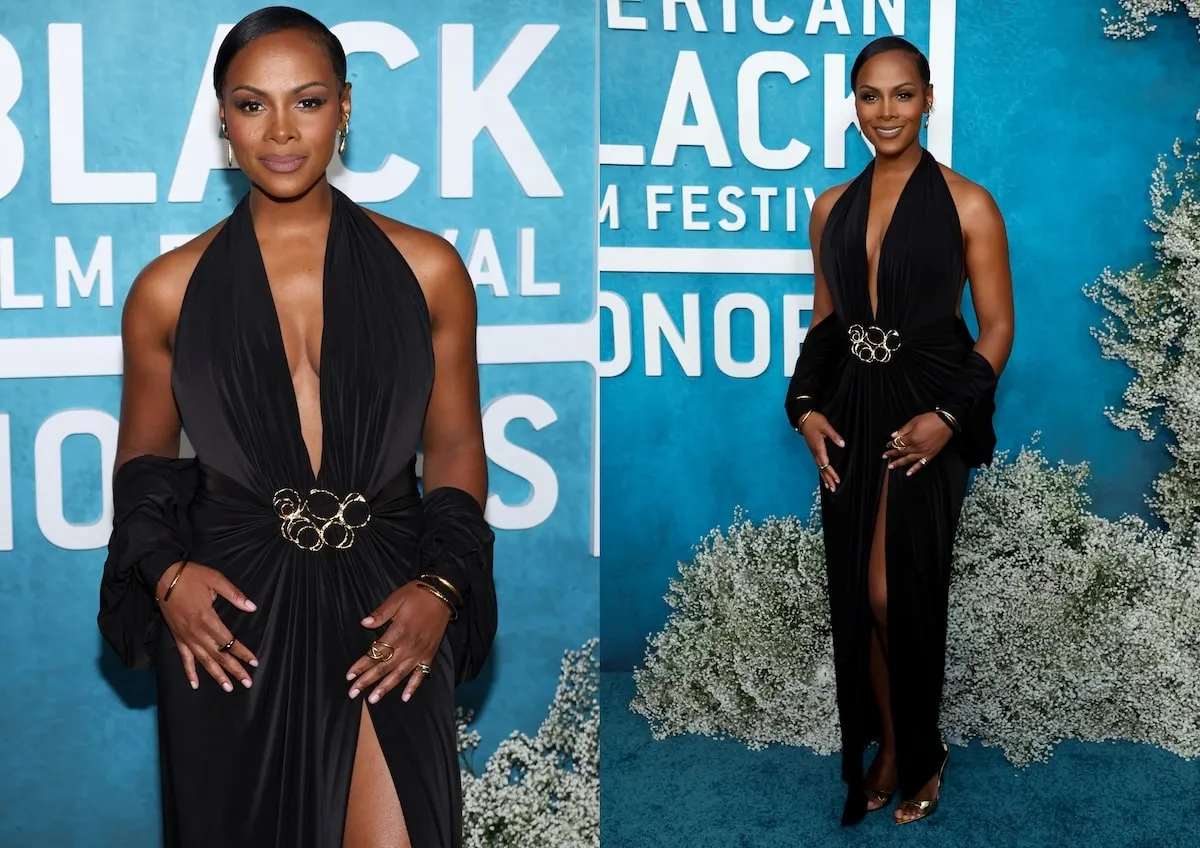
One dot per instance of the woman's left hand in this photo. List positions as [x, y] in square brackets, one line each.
[417, 623]
[917, 442]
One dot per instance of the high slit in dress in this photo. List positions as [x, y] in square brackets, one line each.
[869, 373]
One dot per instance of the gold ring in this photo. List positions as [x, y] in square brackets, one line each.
[226, 648]
[924, 460]
[375, 652]
[898, 443]
[823, 467]
[424, 669]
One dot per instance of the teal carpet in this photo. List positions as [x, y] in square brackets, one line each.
[694, 792]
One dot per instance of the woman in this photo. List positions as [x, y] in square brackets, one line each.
[895, 401]
[307, 664]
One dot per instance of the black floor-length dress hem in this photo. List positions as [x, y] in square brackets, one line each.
[869, 373]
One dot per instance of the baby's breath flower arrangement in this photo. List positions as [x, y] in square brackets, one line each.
[1062, 624]
[1153, 323]
[1134, 19]
[545, 790]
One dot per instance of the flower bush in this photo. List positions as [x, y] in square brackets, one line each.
[1153, 314]
[1134, 19]
[1062, 624]
[545, 790]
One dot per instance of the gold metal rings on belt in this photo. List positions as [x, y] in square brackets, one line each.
[873, 344]
[322, 519]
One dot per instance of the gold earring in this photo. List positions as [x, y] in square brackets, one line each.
[228, 143]
[926, 120]
[342, 133]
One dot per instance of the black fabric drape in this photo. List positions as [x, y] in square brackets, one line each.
[457, 544]
[870, 369]
[270, 766]
[151, 531]
[823, 351]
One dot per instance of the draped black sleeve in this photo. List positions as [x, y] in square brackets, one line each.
[151, 530]
[820, 361]
[970, 398]
[457, 544]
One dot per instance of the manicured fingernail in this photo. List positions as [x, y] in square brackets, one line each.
[195, 684]
[405, 697]
[254, 663]
[368, 621]
[374, 699]
[246, 682]
[227, 686]
[250, 605]
[353, 694]
[350, 675]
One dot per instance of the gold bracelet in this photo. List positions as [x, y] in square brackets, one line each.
[803, 418]
[948, 418]
[450, 587]
[431, 590]
[174, 580]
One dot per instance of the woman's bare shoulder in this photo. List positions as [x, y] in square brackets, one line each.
[433, 259]
[974, 203]
[157, 292]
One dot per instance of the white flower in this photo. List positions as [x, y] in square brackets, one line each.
[1134, 19]
[541, 791]
[1062, 625]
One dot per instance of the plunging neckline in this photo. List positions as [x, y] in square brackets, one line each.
[875, 310]
[280, 348]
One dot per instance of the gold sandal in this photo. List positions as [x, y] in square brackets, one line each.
[925, 808]
[878, 796]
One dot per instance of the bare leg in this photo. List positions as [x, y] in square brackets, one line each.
[374, 818]
[882, 774]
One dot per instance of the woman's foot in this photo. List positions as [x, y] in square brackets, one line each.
[926, 800]
[880, 780]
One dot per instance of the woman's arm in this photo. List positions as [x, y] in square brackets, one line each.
[149, 422]
[990, 275]
[822, 299]
[453, 435]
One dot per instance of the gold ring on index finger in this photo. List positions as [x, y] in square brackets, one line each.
[826, 465]
[424, 669]
[227, 647]
[898, 443]
[381, 651]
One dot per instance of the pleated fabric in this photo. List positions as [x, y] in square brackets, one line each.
[869, 373]
[271, 766]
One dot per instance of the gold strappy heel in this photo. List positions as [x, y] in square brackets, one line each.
[924, 809]
[878, 796]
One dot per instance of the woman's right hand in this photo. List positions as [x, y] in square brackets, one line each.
[198, 630]
[816, 429]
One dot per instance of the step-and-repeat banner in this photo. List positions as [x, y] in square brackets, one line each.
[474, 119]
[720, 123]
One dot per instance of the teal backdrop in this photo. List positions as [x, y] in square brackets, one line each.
[474, 119]
[719, 127]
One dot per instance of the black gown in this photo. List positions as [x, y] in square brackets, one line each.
[270, 767]
[869, 381]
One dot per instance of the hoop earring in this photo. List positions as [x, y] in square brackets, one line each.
[228, 144]
[342, 133]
